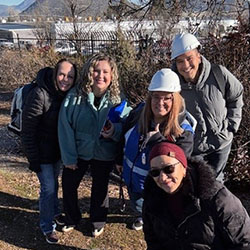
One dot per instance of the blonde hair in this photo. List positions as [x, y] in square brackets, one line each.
[85, 82]
[171, 124]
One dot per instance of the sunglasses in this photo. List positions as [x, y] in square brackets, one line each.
[168, 169]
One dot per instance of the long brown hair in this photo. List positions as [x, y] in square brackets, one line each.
[171, 124]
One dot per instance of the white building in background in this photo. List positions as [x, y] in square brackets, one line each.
[62, 29]
[13, 31]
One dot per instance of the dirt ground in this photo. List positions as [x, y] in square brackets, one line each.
[19, 189]
[19, 216]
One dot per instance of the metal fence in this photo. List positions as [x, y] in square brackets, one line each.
[90, 42]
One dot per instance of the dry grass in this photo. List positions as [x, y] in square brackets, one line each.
[19, 217]
[19, 190]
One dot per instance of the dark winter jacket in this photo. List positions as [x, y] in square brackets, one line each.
[212, 217]
[40, 117]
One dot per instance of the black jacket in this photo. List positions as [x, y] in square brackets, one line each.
[212, 217]
[40, 115]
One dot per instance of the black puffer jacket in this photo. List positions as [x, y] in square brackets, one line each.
[212, 217]
[40, 115]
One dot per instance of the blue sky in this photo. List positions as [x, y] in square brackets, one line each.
[10, 2]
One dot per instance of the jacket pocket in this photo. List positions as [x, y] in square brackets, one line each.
[225, 133]
[84, 145]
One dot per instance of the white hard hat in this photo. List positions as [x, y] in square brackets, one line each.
[165, 80]
[183, 43]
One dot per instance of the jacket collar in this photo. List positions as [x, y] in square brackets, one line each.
[199, 184]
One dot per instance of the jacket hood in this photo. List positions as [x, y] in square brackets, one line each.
[200, 182]
[45, 80]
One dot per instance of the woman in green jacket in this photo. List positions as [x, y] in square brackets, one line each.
[85, 141]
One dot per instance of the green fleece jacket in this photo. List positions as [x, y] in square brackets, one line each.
[79, 127]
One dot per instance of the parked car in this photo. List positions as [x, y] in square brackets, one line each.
[65, 48]
[4, 43]
[88, 50]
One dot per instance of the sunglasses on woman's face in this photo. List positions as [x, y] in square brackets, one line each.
[168, 169]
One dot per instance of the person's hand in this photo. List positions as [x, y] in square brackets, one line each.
[108, 130]
[119, 168]
[157, 129]
[72, 166]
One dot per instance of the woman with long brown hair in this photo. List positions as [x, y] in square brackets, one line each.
[162, 117]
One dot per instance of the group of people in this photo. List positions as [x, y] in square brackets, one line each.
[171, 150]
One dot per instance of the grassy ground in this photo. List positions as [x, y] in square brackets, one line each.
[19, 190]
[19, 216]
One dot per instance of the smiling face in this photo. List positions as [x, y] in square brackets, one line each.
[102, 77]
[168, 182]
[161, 104]
[188, 65]
[65, 76]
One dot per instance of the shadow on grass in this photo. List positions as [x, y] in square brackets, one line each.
[19, 227]
[19, 222]
[6, 95]
[12, 201]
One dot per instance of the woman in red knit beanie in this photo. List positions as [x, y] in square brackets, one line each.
[186, 208]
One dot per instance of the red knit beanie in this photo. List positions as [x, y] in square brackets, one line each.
[169, 149]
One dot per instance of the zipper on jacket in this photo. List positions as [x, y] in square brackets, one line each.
[143, 159]
[188, 217]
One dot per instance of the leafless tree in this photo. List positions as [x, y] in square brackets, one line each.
[71, 10]
[168, 13]
[75, 9]
[43, 31]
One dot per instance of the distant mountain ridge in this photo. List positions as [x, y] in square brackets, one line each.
[55, 8]
[25, 4]
[59, 8]
[4, 9]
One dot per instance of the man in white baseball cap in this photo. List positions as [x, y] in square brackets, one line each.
[213, 96]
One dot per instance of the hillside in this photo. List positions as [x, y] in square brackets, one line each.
[4, 9]
[60, 8]
[24, 5]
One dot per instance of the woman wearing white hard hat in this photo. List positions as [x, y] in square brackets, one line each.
[213, 96]
[161, 117]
